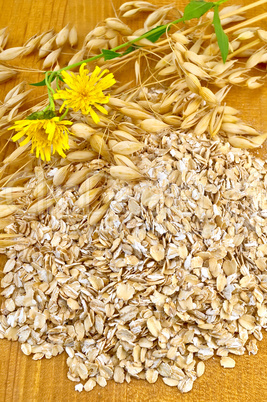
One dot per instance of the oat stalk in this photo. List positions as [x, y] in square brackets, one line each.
[195, 9]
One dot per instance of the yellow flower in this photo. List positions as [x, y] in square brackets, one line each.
[46, 136]
[86, 91]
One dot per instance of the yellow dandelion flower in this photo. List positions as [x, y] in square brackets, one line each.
[45, 135]
[85, 91]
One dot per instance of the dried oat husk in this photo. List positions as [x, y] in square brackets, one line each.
[153, 125]
[247, 142]
[3, 38]
[73, 36]
[82, 130]
[6, 210]
[47, 46]
[52, 58]
[126, 147]
[88, 197]
[61, 175]
[125, 173]
[32, 44]
[40, 206]
[81, 156]
[91, 182]
[77, 57]
[98, 214]
[99, 145]
[62, 36]
[12, 53]
[7, 75]
[77, 177]
[46, 37]
[15, 154]
[122, 160]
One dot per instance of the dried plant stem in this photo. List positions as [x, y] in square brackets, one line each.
[7, 236]
[245, 47]
[245, 8]
[207, 23]
[247, 22]
[192, 29]
[241, 25]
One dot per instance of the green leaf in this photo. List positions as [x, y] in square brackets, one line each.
[156, 33]
[43, 83]
[130, 49]
[39, 84]
[42, 115]
[110, 54]
[222, 38]
[195, 9]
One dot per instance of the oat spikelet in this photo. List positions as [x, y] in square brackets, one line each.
[12, 53]
[62, 36]
[91, 182]
[82, 130]
[81, 156]
[7, 75]
[31, 44]
[77, 57]
[98, 214]
[88, 197]
[153, 125]
[46, 37]
[61, 175]
[127, 147]
[40, 206]
[118, 25]
[51, 59]
[6, 210]
[135, 113]
[122, 160]
[247, 142]
[77, 177]
[47, 47]
[124, 136]
[99, 146]
[73, 37]
[40, 191]
[125, 173]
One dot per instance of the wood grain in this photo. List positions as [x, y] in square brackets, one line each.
[25, 380]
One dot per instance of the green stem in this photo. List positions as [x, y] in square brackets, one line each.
[57, 82]
[218, 3]
[50, 90]
[64, 114]
[129, 43]
[51, 74]
[51, 79]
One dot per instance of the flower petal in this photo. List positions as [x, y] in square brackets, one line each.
[85, 91]
[46, 136]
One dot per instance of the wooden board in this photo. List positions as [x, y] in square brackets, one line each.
[25, 380]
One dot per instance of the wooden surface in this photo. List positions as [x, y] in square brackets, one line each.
[22, 379]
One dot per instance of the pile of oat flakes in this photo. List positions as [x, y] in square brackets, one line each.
[143, 253]
[173, 274]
